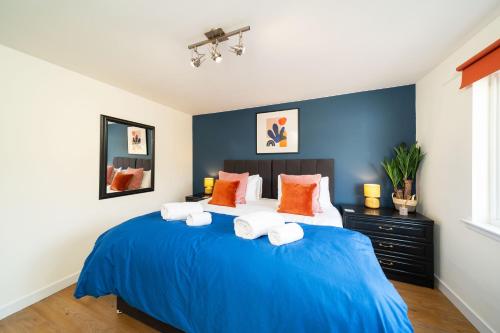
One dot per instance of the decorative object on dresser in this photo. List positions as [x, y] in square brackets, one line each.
[208, 183]
[278, 132]
[372, 195]
[196, 197]
[402, 171]
[403, 244]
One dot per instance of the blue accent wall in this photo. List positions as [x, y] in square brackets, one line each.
[118, 145]
[357, 130]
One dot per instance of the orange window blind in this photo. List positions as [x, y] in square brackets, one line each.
[482, 64]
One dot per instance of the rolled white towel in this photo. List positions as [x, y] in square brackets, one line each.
[199, 219]
[180, 210]
[285, 234]
[254, 225]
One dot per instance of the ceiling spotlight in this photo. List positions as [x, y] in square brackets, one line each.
[197, 58]
[214, 37]
[215, 54]
[239, 48]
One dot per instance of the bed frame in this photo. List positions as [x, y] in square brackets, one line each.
[269, 171]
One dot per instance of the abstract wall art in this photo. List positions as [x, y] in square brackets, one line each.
[278, 132]
[137, 143]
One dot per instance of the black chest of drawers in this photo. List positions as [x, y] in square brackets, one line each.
[403, 244]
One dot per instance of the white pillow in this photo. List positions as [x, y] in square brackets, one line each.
[259, 190]
[324, 193]
[254, 188]
[146, 179]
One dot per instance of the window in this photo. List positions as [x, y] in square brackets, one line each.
[486, 152]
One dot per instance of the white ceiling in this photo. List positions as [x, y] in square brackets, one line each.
[296, 49]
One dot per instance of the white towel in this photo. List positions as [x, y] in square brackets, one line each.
[254, 225]
[285, 234]
[199, 219]
[180, 210]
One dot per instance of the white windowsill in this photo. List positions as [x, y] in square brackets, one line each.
[487, 229]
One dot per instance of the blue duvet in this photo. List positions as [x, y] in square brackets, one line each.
[205, 279]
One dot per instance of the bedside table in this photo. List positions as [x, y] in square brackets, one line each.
[403, 244]
[197, 197]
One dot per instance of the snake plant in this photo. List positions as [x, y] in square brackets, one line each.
[391, 167]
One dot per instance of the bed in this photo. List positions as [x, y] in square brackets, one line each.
[205, 279]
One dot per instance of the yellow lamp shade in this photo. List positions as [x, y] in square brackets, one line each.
[208, 182]
[372, 190]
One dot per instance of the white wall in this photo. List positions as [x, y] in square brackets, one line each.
[467, 263]
[50, 214]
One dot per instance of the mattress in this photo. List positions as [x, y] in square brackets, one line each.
[329, 217]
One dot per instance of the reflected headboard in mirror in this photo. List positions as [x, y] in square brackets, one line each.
[128, 162]
[126, 148]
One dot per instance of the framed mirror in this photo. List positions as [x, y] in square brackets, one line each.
[127, 158]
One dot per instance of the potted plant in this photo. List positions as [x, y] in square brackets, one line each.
[402, 171]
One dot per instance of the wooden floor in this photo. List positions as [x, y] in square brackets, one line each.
[429, 311]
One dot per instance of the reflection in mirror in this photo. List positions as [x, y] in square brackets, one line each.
[127, 158]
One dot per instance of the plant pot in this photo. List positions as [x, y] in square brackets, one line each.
[411, 203]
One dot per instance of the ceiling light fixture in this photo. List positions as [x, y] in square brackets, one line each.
[197, 58]
[214, 37]
[216, 56]
[239, 48]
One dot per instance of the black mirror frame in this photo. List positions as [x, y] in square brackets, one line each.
[103, 158]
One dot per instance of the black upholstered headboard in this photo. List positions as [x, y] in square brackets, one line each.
[270, 169]
[125, 162]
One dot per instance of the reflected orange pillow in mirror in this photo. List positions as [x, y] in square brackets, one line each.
[225, 193]
[121, 181]
[297, 198]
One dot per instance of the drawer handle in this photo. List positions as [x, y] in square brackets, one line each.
[381, 227]
[386, 245]
[386, 262]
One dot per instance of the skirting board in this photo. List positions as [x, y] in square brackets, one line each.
[37, 295]
[460, 304]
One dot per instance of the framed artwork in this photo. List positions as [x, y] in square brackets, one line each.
[278, 132]
[137, 142]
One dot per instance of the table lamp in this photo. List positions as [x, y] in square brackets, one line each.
[208, 182]
[372, 193]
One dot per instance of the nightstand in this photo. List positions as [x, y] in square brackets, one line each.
[403, 244]
[197, 197]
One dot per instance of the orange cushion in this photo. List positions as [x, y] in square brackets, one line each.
[121, 181]
[297, 198]
[225, 193]
[306, 179]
